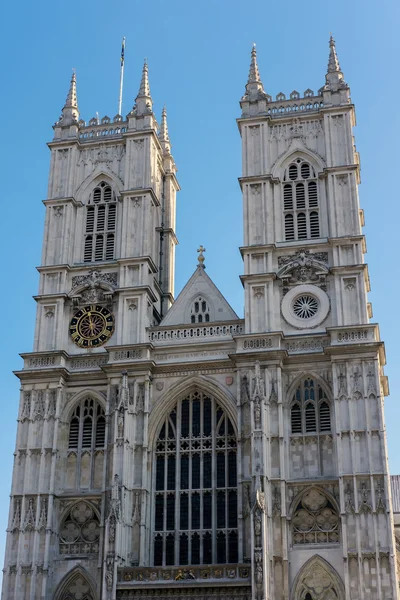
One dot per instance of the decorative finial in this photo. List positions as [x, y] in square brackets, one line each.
[144, 103]
[72, 101]
[201, 257]
[163, 135]
[144, 89]
[254, 75]
[334, 76]
[333, 62]
[254, 86]
[70, 111]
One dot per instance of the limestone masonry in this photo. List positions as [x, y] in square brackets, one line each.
[168, 448]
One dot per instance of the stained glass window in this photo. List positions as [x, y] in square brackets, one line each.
[195, 498]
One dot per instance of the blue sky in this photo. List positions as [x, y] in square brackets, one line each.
[198, 55]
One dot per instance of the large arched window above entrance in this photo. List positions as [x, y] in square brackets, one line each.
[100, 223]
[195, 483]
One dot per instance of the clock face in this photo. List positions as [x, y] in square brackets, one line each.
[91, 326]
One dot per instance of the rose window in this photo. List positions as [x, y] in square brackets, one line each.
[80, 530]
[305, 306]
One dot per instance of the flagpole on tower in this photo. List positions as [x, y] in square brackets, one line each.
[121, 77]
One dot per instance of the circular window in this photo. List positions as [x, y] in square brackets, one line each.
[305, 306]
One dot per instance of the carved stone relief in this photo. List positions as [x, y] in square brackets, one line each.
[140, 398]
[258, 395]
[364, 499]
[26, 407]
[93, 287]
[303, 266]
[114, 512]
[29, 518]
[16, 520]
[39, 406]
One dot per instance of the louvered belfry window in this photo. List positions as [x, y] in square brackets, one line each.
[310, 411]
[300, 202]
[100, 225]
[195, 498]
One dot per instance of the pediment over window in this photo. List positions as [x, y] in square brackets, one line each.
[200, 301]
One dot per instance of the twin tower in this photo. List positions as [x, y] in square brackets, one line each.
[170, 448]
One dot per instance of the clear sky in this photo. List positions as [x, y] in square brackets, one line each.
[198, 55]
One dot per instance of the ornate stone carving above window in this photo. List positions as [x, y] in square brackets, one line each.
[93, 287]
[302, 267]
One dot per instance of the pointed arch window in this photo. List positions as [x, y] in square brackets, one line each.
[86, 445]
[101, 211]
[310, 409]
[300, 201]
[195, 480]
[75, 585]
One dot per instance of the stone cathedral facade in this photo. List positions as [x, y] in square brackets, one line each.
[170, 448]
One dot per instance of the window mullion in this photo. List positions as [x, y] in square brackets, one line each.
[177, 483]
[80, 436]
[165, 494]
[226, 489]
[213, 481]
[93, 445]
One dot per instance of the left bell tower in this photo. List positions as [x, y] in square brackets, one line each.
[110, 226]
[106, 274]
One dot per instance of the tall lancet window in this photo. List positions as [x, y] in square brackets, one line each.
[310, 411]
[311, 447]
[195, 483]
[300, 201]
[86, 445]
[100, 223]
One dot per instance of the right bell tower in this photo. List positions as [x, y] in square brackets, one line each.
[329, 521]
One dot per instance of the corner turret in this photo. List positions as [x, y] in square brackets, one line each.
[255, 99]
[335, 91]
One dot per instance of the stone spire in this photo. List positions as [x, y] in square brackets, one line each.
[254, 86]
[254, 75]
[163, 135]
[70, 111]
[333, 63]
[334, 76]
[144, 103]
